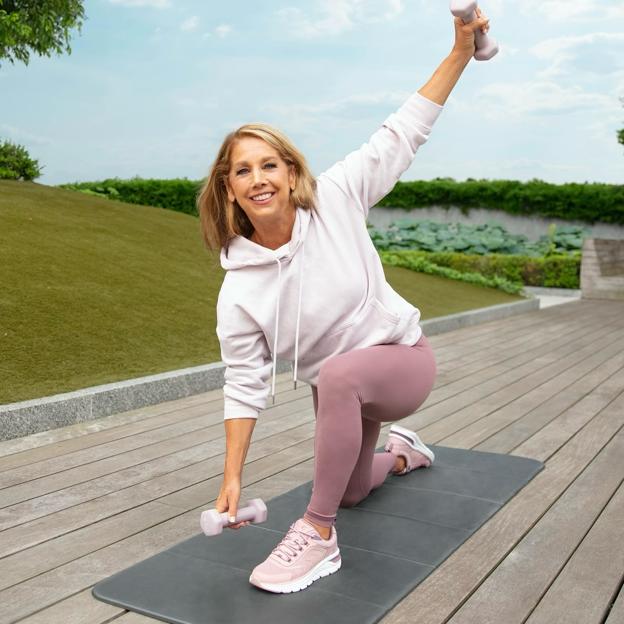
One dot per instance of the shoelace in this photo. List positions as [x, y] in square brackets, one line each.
[291, 545]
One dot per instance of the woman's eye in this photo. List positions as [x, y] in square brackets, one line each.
[244, 169]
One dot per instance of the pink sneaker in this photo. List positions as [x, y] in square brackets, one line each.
[405, 443]
[301, 558]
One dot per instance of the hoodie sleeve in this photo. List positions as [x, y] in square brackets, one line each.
[246, 354]
[370, 173]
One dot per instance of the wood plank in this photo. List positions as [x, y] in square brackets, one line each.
[517, 432]
[566, 373]
[585, 587]
[81, 608]
[461, 363]
[554, 435]
[491, 391]
[528, 319]
[452, 583]
[616, 613]
[477, 342]
[515, 587]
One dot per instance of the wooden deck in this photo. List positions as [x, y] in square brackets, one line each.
[80, 503]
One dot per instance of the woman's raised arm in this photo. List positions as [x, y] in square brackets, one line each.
[368, 174]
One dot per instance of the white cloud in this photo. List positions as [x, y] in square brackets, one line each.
[223, 30]
[338, 16]
[558, 10]
[517, 100]
[192, 23]
[156, 4]
[594, 53]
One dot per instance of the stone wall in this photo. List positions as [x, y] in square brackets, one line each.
[602, 269]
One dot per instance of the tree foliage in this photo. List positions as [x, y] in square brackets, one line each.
[16, 163]
[40, 26]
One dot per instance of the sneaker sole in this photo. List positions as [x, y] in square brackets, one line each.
[410, 438]
[327, 566]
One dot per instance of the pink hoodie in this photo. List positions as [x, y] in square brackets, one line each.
[324, 292]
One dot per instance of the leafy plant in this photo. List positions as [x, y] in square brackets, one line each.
[16, 163]
[487, 238]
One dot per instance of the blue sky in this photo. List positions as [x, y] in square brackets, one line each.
[153, 86]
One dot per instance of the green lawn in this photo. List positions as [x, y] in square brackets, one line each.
[95, 291]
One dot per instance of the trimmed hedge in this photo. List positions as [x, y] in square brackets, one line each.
[177, 194]
[410, 260]
[555, 271]
[588, 202]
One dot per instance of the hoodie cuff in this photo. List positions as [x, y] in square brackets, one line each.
[419, 111]
[235, 409]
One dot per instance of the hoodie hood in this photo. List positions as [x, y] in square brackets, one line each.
[243, 253]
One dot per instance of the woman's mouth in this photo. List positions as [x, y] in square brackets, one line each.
[262, 198]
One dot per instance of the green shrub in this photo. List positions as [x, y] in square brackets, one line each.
[16, 163]
[588, 202]
[417, 262]
[555, 271]
[175, 194]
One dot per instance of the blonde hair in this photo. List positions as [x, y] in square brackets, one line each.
[222, 220]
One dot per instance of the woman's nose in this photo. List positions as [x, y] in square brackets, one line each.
[258, 176]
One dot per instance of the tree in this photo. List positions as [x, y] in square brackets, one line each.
[16, 164]
[40, 26]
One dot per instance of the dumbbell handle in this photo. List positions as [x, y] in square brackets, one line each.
[245, 513]
[485, 47]
[212, 522]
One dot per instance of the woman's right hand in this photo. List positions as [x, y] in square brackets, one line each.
[228, 499]
[464, 33]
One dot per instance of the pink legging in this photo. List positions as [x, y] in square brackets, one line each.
[356, 392]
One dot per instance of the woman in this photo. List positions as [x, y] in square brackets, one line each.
[305, 283]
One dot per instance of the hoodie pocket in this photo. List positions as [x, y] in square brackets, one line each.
[374, 324]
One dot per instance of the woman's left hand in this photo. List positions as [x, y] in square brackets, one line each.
[464, 33]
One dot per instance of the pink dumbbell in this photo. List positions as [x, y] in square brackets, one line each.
[212, 522]
[485, 47]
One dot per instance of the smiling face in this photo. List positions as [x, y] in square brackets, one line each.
[260, 181]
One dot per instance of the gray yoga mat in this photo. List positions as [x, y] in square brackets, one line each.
[389, 543]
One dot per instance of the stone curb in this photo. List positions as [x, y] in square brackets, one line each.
[27, 417]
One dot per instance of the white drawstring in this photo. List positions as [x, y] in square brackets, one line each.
[279, 288]
[299, 312]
